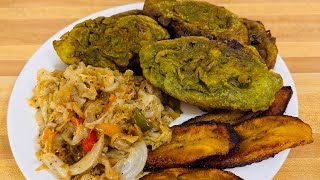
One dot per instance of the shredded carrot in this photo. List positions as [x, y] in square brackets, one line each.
[76, 121]
[112, 98]
[47, 135]
[109, 129]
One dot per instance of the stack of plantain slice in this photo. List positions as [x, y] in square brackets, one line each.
[208, 141]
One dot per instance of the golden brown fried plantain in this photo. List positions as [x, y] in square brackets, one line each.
[280, 103]
[192, 142]
[234, 117]
[185, 173]
[262, 138]
[262, 40]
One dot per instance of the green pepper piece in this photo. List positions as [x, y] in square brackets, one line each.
[141, 121]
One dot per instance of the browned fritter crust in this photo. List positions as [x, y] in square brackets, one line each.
[185, 173]
[262, 40]
[262, 138]
[234, 117]
[192, 142]
[196, 18]
[280, 102]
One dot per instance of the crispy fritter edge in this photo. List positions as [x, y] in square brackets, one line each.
[267, 36]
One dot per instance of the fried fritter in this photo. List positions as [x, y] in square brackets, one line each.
[262, 138]
[192, 142]
[185, 173]
[210, 73]
[234, 117]
[196, 18]
[262, 40]
[112, 42]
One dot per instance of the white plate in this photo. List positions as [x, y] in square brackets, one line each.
[22, 127]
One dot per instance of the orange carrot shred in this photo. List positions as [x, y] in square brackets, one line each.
[76, 121]
[112, 98]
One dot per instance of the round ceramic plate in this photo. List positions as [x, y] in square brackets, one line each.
[23, 130]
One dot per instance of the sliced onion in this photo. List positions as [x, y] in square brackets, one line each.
[81, 133]
[129, 168]
[55, 164]
[90, 159]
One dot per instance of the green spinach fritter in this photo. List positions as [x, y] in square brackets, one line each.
[210, 73]
[112, 42]
[196, 18]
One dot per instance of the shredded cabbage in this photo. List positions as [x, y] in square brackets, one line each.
[73, 102]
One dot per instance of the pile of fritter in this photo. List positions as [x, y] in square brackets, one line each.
[223, 64]
[206, 56]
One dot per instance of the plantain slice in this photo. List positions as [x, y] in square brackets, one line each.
[185, 173]
[192, 142]
[262, 138]
[280, 103]
[225, 116]
[234, 117]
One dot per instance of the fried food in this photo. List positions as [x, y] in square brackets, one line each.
[192, 142]
[196, 18]
[234, 117]
[112, 42]
[185, 173]
[262, 40]
[210, 73]
[280, 103]
[262, 138]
